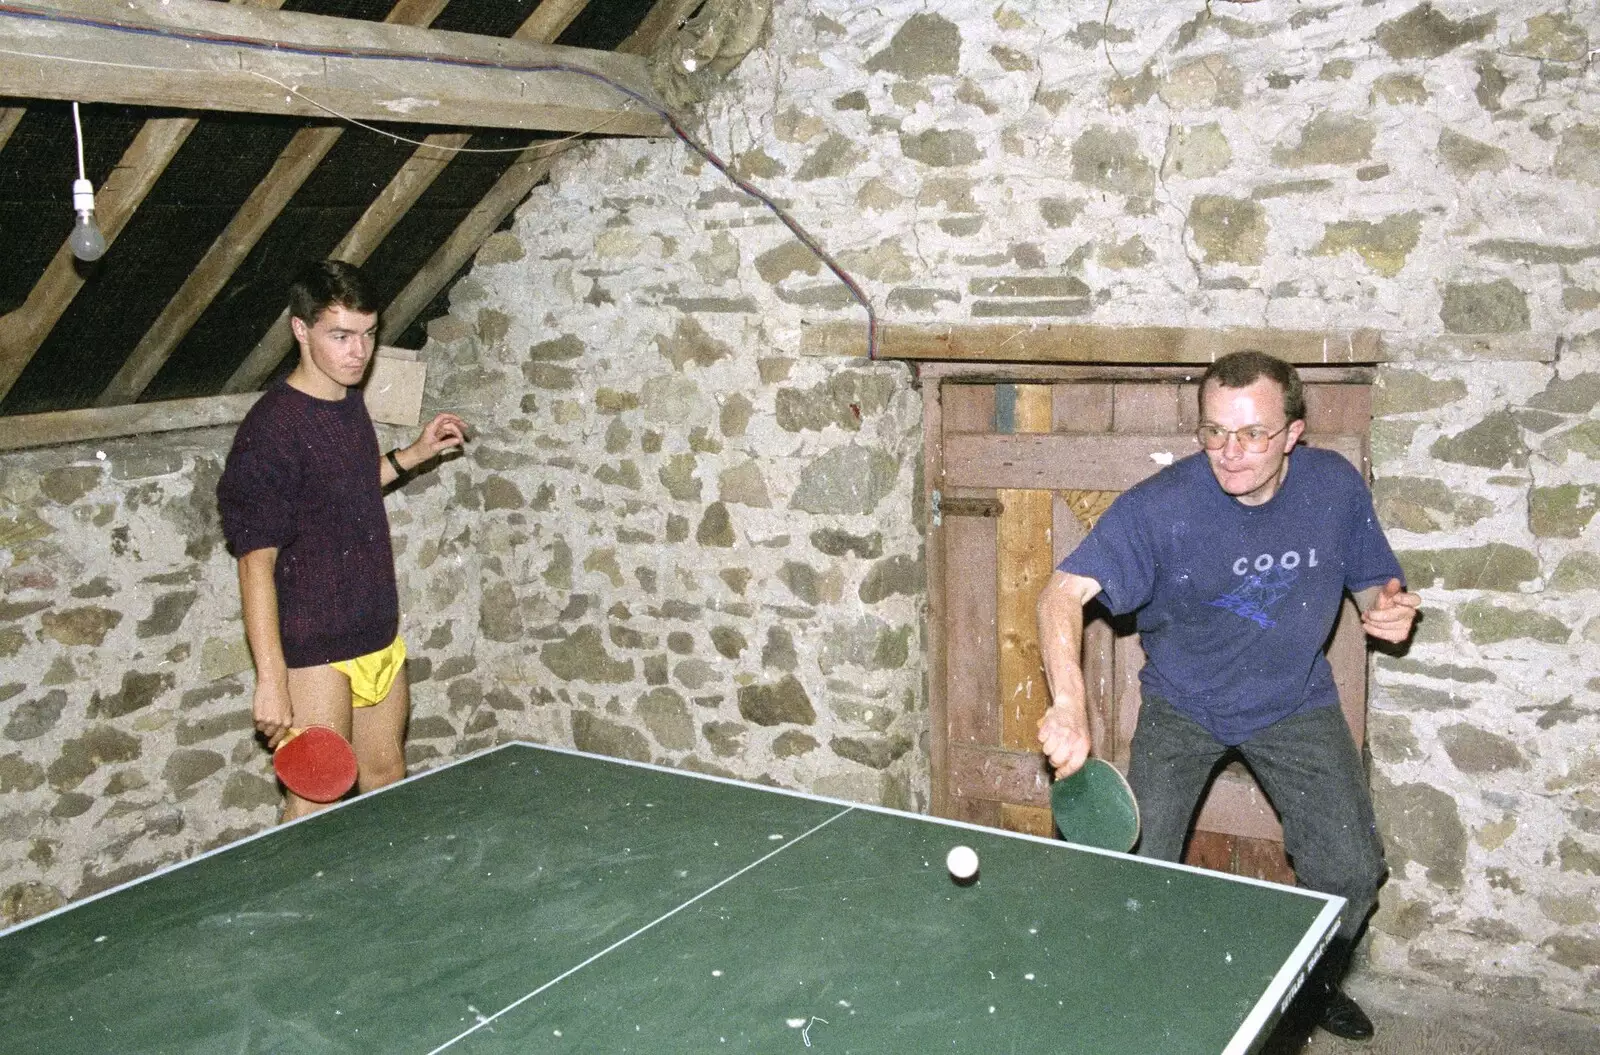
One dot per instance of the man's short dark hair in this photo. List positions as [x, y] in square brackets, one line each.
[1241, 369]
[322, 284]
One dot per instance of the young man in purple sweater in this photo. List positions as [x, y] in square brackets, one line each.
[301, 499]
[1236, 561]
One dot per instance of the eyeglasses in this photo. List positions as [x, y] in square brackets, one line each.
[1253, 438]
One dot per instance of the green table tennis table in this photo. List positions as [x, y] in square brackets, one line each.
[529, 899]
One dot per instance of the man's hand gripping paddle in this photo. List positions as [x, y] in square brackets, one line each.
[1095, 807]
[316, 763]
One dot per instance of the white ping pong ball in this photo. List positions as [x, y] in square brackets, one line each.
[962, 861]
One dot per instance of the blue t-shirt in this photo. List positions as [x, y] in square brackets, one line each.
[1235, 603]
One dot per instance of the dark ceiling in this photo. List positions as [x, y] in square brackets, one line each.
[201, 190]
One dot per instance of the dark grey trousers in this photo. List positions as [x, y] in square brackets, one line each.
[1309, 767]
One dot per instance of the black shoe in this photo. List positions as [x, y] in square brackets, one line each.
[1342, 1016]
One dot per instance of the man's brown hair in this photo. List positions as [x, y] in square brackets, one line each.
[1243, 368]
[323, 283]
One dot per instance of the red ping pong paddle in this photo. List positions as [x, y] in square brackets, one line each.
[1095, 807]
[315, 763]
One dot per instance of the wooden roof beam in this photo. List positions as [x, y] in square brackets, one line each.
[295, 163]
[10, 118]
[546, 23]
[84, 61]
[531, 166]
[22, 331]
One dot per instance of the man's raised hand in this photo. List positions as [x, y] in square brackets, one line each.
[1391, 613]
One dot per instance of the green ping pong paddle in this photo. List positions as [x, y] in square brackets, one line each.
[1095, 807]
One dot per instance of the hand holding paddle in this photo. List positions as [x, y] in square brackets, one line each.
[1064, 736]
[1095, 807]
[316, 763]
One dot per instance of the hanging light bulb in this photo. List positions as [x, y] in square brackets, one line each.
[86, 241]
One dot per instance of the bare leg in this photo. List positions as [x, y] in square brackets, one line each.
[317, 696]
[380, 734]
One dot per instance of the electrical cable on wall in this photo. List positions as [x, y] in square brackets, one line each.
[32, 13]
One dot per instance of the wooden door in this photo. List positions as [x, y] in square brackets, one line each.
[1018, 474]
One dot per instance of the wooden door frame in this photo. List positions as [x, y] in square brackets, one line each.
[932, 377]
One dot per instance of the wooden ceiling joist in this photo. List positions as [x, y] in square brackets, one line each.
[298, 159]
[117, 413]
[101, 423]
[24, 330]
[546, 23]
[10, 118]
[308, 65]
[531, 166]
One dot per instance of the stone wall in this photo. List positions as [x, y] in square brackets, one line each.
[677, 537]
[126, 740]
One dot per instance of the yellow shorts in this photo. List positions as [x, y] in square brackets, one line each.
[372, 675]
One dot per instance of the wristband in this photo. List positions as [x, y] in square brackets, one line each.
[394, 461]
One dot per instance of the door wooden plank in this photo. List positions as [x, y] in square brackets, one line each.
[1188, 408]
[1210, 850]
[971, 643]
[1025, 564]
[1338, 408]
[1129, 659]
[1030, 820]
[1145, 408]
[1101, 463]
[1018, 777]
[1083, 408]
[1037, 462]
[1238, 806]
[938, 560]
[973, 811]
[1347, 654]
[1261, 859]
[1098, 641]
[967, 408]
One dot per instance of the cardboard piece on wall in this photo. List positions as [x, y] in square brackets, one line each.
[393, 391]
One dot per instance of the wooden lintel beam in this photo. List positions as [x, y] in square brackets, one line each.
[288, 63]
[295, 163]
[1084, 343]
[80, 426]
[531, 166]
[546, 23]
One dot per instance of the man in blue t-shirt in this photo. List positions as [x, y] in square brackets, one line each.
[1235, 561]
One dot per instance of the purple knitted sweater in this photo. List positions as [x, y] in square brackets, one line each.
[303, 477]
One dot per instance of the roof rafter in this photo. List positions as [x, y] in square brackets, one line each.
[10, 118]
[298, 159]
[531, 166]
[172, 52]
[22, 331]
[419, 171]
